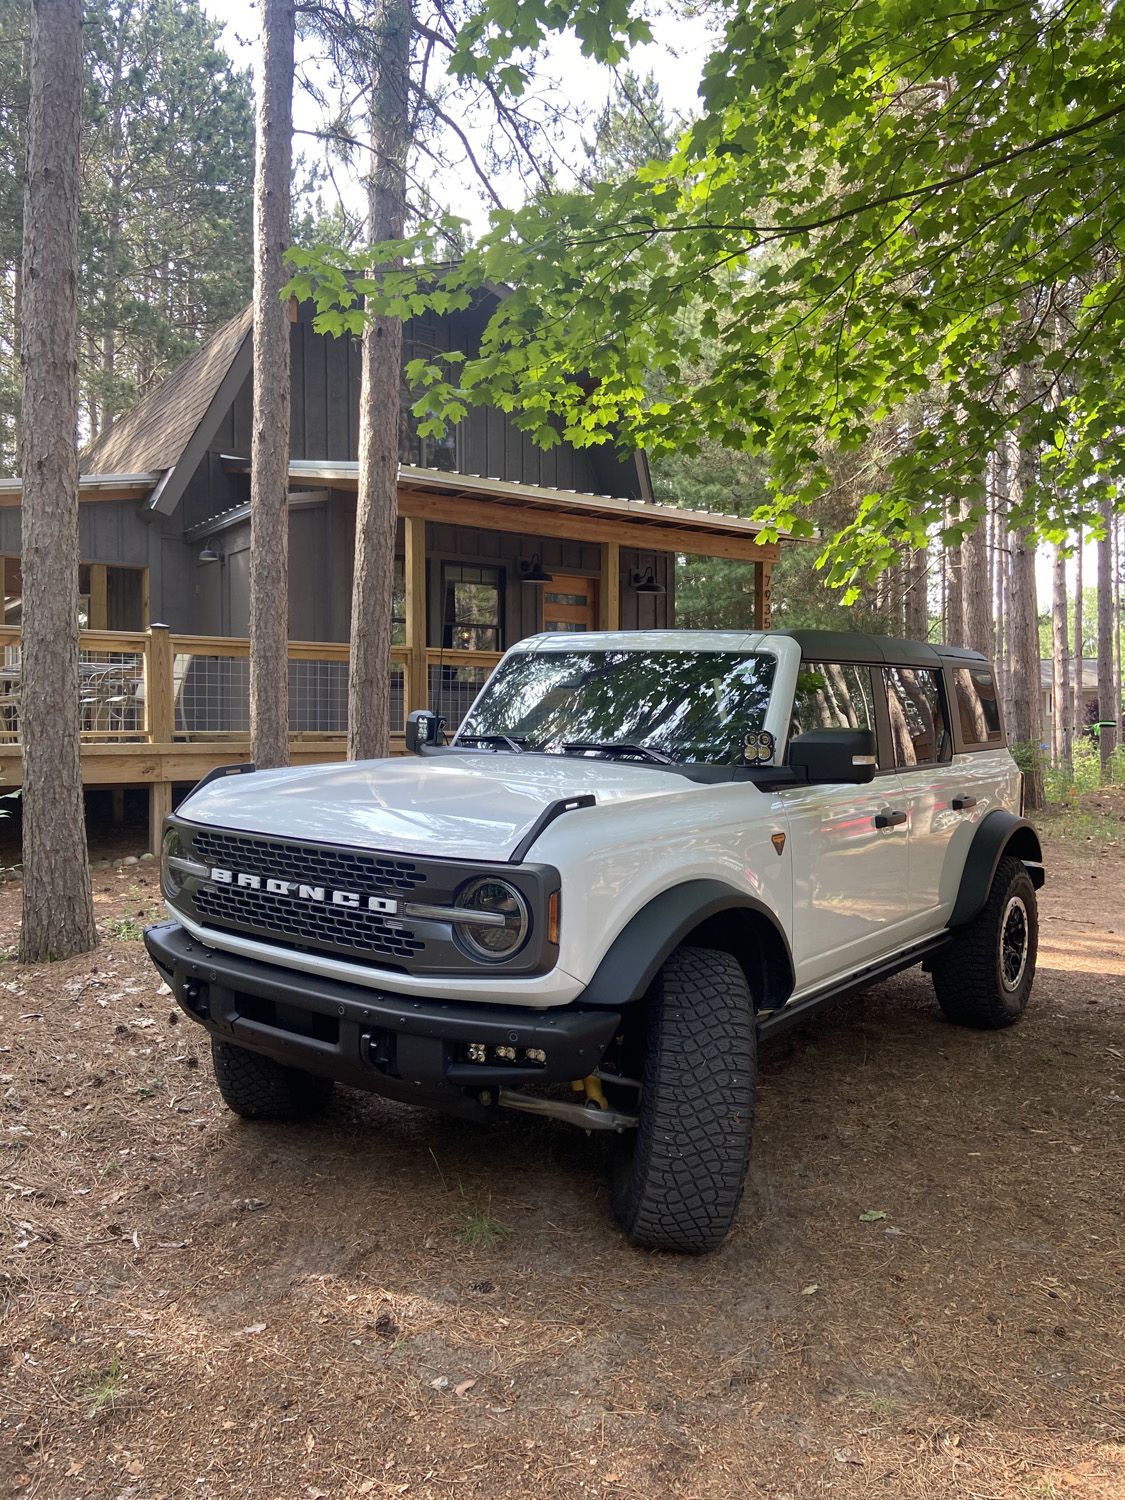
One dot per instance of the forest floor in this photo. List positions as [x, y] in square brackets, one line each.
[922, 1300]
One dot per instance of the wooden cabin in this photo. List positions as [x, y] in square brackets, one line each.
[564, 539]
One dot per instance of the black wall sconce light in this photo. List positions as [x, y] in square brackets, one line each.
[535, 572]
[209, 554]
[646, 583]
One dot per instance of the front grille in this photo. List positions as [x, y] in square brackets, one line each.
[358, 933]
[314, 864]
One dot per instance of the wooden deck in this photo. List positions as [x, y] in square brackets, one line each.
[160, 709]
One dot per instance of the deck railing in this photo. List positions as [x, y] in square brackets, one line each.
[160, 687]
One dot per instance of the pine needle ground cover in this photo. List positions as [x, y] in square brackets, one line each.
[922, 1299]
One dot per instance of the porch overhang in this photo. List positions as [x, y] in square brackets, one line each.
[538, 510]
[91, 487]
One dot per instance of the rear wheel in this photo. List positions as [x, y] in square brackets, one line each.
[258, 1088]
[984, 977]
[678, 1180]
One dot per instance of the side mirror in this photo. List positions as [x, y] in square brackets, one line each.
[826, 755]
[423, 728]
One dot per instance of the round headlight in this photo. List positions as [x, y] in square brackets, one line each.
[496, 922]
[171, 855]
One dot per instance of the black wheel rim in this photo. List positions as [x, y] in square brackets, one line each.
[1013, 943]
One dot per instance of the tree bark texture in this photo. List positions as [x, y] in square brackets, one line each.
[1060, 662]
[953, 624]
[380, 401]
[1106, 706]
[269, 470]
[1078, 708]
[1026, 727]
[58, 914]
[917, 590]
[975, 596]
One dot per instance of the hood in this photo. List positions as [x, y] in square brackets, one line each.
[466, 806]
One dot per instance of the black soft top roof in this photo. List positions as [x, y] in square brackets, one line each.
[854, 645]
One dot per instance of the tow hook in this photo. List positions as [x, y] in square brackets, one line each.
[592, 1088]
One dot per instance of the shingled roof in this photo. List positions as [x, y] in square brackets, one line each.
[152, 435]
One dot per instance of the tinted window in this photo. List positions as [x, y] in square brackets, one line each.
[918, 728]
[977, 708]
[831, 695]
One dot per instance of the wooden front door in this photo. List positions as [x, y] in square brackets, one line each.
[570, 604]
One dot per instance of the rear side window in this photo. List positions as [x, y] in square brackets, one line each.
[919, 733]
[832, 695]
[978, 711]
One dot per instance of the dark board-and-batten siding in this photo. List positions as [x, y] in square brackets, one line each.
[320, 562]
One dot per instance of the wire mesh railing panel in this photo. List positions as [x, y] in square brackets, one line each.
[318, 696]
[212, 694]
[452, 690]
[111, 694]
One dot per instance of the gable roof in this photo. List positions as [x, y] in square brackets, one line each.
[152, 435]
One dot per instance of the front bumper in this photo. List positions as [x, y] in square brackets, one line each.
[403, 1048]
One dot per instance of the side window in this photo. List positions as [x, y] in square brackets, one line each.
[918, 729]
[978, 712]
[832, 695]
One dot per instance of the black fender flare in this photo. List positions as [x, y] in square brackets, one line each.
[1000, 833]
[651, 935]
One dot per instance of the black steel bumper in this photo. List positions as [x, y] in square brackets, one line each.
[414, 1050]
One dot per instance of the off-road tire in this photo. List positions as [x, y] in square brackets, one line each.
[969, 975]
[678, 1179]
[258, 1088]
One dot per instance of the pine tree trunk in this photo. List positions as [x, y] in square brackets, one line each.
[1026, 726]
[975, 584]
[953, 624]
[1060, 662]
[1118, 706]
[1105, 638]
[269, 471]
[379, 400]
[1078, 711]
[58, 914]
[917, 621]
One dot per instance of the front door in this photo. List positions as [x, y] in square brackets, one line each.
[570, 604]
[851, 901]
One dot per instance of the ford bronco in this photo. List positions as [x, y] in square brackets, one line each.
[638, 855]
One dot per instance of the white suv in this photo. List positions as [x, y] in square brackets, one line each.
[640, 853]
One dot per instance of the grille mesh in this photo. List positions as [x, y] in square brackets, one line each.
[315, 864]
[306, 923]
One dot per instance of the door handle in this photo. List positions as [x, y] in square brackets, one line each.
[891, 818]
[962, 804]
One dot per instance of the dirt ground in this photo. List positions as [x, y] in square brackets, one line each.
[922, 1298]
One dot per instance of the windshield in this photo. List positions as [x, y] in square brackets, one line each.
[692, 706]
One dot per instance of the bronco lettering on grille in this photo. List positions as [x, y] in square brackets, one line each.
[275, 887]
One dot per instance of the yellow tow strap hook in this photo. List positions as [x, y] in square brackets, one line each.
[592, 1088]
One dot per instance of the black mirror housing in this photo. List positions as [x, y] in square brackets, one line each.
[423, 728]
[832, 755]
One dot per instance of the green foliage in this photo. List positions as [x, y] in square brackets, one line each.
[166, 200]
[877, 203]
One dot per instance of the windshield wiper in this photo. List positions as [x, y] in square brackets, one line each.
[500, 741]
[620, 747]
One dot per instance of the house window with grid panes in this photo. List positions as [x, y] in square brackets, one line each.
[472, 607]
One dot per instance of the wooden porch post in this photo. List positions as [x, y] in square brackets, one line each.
[763, 595]
[417, 692]
[609, 593]
[160, 710]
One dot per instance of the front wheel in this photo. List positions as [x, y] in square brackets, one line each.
[984, 977]
[260, 1088]
[679, 1179]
